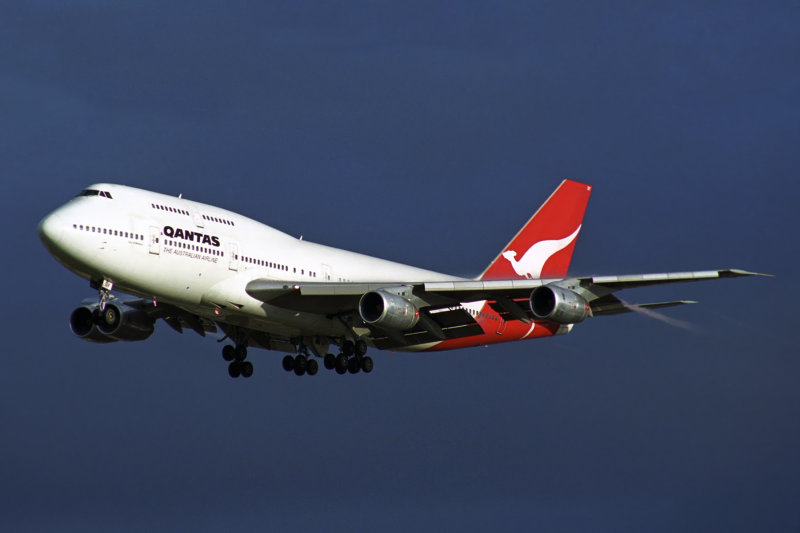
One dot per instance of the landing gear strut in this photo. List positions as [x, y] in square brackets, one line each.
[104, 287]
[103, 315]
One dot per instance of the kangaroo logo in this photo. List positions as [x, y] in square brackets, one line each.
[532, 263]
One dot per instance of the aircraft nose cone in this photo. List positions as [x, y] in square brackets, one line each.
[51, 229]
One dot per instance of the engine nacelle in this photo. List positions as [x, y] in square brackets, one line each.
[124, 323]
[83, 324]
[384, 309]
[558, 305]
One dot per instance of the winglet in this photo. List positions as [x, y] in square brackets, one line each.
[735, 273]
[543, 247]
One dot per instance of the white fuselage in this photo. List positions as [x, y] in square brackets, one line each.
[200, 257]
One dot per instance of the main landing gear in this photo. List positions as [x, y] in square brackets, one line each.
[238, 365]
[300, 364]
[351, 359]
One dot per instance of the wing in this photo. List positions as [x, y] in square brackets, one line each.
[597, 290]
[441, 315]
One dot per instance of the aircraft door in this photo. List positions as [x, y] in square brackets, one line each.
[155, 240]
[197, 218]
[501, 327]
[233, 256]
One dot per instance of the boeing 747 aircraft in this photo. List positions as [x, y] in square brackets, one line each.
[201, 267]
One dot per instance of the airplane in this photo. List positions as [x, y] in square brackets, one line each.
[210, 270]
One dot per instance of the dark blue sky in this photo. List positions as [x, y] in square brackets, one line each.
[426, 132]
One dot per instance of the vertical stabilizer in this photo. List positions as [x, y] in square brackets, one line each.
[543, 247]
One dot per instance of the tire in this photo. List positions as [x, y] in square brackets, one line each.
[312, 367]
[341, 363]
[109, 317]
[360, 348]
[227, 352]
[367, 365]
[247, 369]
[329, 361]
[288, 363]
[240, 353]
[300, 365]
[348, 347]
[234, 369]
[353, 366]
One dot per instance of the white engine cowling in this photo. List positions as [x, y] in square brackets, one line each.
[558, 305]
[387, 310]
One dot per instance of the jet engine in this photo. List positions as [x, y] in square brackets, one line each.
[117, 322]
[386, 310]
[559, 305]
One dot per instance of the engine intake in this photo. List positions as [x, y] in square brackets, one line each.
[387, 310]
[558, 305]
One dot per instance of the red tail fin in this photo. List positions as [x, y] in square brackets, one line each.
[543, 247]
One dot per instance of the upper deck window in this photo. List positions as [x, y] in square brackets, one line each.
[95, 192]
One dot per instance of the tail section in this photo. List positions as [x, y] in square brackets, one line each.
[543, 247]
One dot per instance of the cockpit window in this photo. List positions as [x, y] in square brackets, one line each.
[95, 192]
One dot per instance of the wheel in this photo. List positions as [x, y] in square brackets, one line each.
[246, 368]
[300, 365]
[109, 316]
[348, 347]
[234, 369]
[312, 366]
[341, 363]
[352, 365]
[367, 365]
[240, 353]
[360, 348]
[288, 363]
[227, 352]
[329, 361]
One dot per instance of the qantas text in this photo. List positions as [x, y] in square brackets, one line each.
[194, 236]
